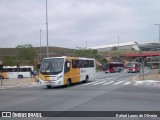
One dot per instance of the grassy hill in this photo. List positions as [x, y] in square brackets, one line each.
[110, 56]
[52, 51]
[12, 56]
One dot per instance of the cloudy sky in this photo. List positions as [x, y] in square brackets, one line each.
[77, 22]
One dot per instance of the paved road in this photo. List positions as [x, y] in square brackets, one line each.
[106, 92]
[100, 78]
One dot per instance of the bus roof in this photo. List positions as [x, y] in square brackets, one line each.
[16, 66]
[116, 62]
[68, 57]
[134, 62]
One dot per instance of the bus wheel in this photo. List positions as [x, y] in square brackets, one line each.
[20, 76]
[48, 86]
[68, 83]
[86, 80]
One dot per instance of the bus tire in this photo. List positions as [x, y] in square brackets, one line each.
[20, 76]
[86, 80]
[68, 83]
[48, 86]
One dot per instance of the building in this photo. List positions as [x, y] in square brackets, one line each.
[149, 46]
[128, 46]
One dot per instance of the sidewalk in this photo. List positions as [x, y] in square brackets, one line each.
[151, 78]
[153, 75]
[17, 82]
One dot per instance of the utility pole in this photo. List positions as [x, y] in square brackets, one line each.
[1, 69]
[118, 40]
[47, 29]
[40, 50]
[86, 44]
[140, 53]
[1, 76]
[159, 43]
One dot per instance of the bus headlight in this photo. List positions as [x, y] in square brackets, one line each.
[59, 82]
[59, 77]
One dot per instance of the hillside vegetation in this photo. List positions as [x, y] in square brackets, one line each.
[28, 55]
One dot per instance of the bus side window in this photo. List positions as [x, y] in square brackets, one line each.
[74, 63]
[86, 63]
[81, 64]
[91, 63]
[67, 66]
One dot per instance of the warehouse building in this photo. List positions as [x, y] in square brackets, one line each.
[128, 46]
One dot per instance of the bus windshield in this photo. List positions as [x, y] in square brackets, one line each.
[131, 65]
[105, 66]
[52, 66]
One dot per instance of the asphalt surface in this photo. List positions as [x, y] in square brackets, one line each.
[106, 92]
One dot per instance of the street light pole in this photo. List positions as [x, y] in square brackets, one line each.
[140, 53]
[47, 29]
[118, 40]
[159, 43]
[86, 44]
[40, 52]
[1, 68]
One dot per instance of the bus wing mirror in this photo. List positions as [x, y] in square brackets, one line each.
[1, 67]
[68, 65]
[38, 66]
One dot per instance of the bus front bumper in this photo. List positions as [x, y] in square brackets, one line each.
[106, 71]
[50, 82]
[131, 70]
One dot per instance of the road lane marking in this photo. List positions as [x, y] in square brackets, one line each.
[108, 82]
[99, 83]
[137, 84]
[127, 83]
[90, 83]
[118, 82]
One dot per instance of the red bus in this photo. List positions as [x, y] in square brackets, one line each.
[133, 67]
[113, 67]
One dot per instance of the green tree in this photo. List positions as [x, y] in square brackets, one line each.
[87, 53]
[104, 60]
[26, 54]
[9, 60]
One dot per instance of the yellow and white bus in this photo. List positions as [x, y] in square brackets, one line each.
[59, 71]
